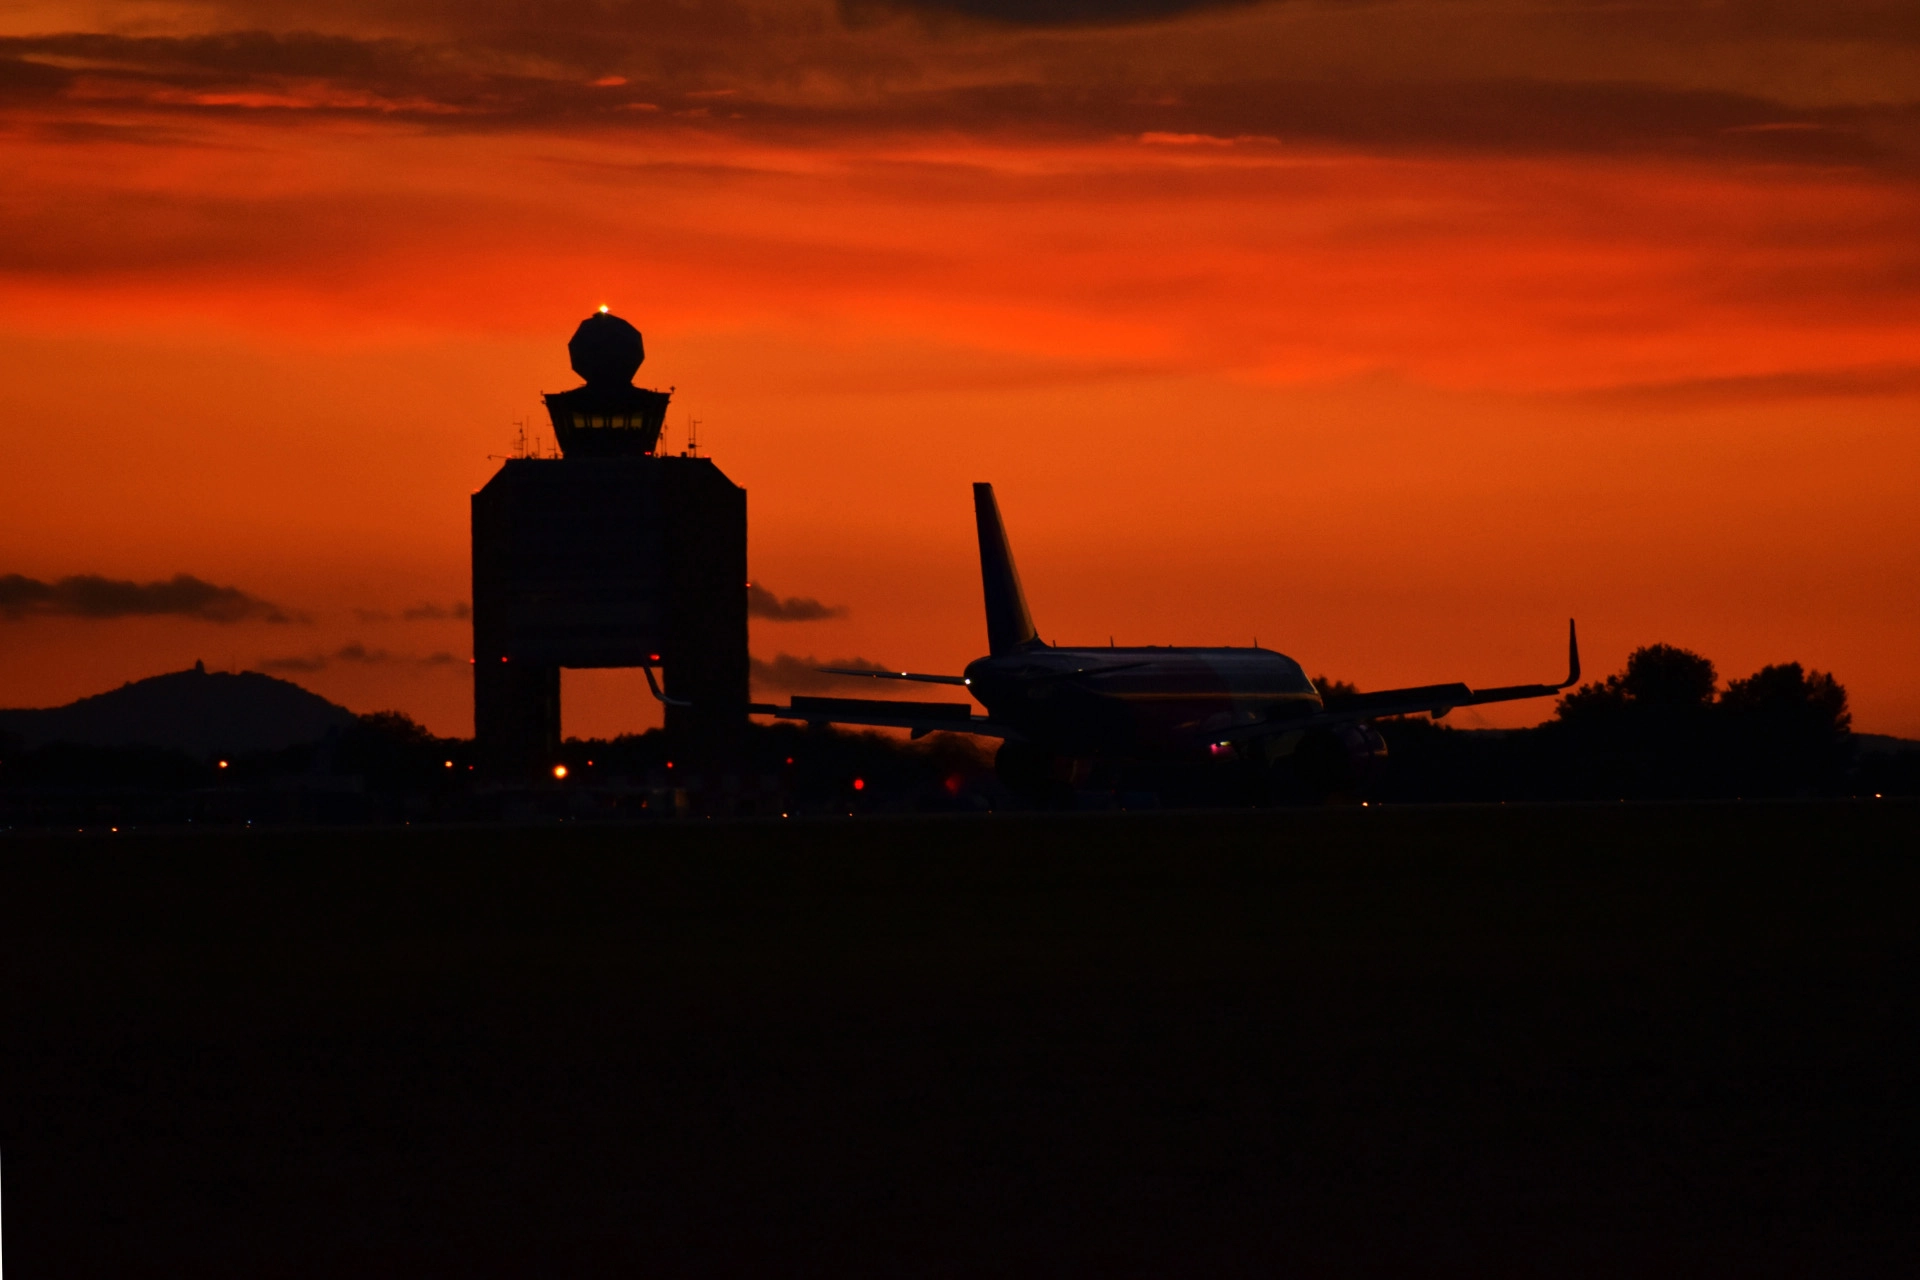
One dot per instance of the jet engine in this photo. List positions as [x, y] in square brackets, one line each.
[1337, 758]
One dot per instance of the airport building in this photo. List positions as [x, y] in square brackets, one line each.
[609, 555]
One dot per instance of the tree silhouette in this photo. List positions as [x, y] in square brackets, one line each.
[1659, 678]
[1334, 691]
[1647, 731]
[1661, 675]
[1787, 730]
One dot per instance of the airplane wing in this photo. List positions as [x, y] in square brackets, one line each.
[892, 675]
[1062, 673]
[1433, 699]
[921, 718]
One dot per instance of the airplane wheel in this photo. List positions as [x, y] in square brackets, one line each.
[1030, 773]
[1323, 765]
[1336, 765]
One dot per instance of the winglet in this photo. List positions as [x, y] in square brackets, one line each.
[1573, 658]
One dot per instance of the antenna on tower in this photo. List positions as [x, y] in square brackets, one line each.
[693, 435]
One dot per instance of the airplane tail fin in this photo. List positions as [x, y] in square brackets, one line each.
[1009, 625]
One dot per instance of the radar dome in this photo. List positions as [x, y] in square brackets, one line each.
[606, 350]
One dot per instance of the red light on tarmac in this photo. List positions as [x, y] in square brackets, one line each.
[859, 784]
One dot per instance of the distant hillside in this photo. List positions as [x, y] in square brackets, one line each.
[197, 711]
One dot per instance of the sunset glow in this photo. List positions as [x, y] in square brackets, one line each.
[1260, 325]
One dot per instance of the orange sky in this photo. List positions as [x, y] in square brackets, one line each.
[1391, 334]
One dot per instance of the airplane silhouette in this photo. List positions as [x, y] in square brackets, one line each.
[1060, 710]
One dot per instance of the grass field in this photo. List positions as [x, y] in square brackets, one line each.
[1494, 1041]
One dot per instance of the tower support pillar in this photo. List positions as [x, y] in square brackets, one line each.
[516, 714]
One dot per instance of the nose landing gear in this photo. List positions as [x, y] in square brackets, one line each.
[1039, 776]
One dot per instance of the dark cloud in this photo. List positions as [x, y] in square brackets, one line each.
[354, 654]
[21, 79]
[792, 71]
[762, 603]
[425, 612]
[260, 71]
[430, 612]
[92, 596]
[294, 663]
[1501, 116]
[1854, 20]
[799, 675]
[357, 652]
[1770, 388]
[1038, 13]
[228, 53]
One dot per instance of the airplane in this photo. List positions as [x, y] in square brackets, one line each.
[1063, 713]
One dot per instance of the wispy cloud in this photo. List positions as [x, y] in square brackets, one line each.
[425, 612]
[92, 596]
[430, 612]
[294, 663]
[1766, 388]
[762, 603]
[354, 654]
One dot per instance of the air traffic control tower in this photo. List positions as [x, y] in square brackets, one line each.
[608, 556]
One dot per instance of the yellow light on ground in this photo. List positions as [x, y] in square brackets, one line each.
[223, 764]
[559, 771]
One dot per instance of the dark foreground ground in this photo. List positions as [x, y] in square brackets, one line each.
[1512, 1041]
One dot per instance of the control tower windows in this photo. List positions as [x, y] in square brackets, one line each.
[618, 421]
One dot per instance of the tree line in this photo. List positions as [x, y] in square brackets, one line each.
[1663, 728]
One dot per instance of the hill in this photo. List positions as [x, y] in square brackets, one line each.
[197, 711]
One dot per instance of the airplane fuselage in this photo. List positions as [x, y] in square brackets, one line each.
[1152, 702]
[1057, 710]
